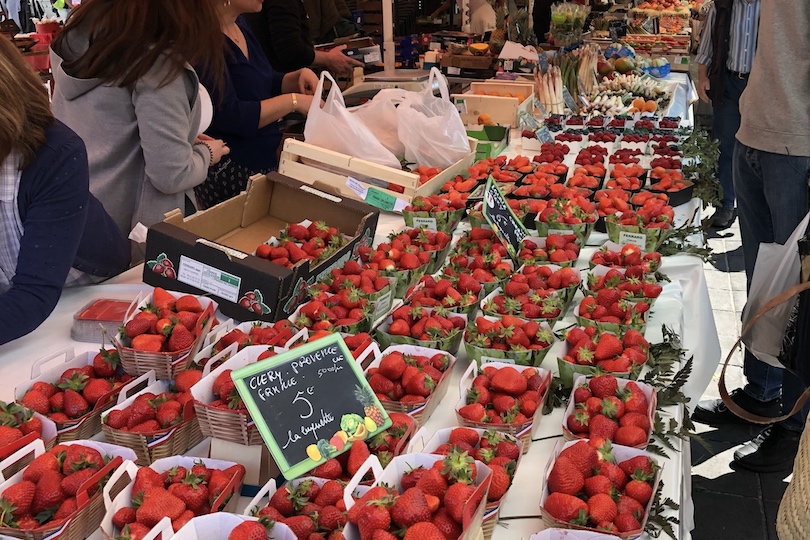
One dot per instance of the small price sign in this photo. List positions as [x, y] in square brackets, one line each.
[310, 404]
[502, 219]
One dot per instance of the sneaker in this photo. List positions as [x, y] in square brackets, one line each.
[723, 218]
[714, 411]
[773, 450]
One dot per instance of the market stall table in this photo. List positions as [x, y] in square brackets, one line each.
[684, 306]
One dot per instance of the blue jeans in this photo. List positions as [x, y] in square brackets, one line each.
[772, 198]
[725, 124]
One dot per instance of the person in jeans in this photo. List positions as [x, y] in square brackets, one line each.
[771, 173]
[728, 43]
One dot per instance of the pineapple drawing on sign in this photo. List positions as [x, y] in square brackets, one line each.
[373, 413]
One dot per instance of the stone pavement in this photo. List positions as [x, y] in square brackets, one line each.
[730, 505]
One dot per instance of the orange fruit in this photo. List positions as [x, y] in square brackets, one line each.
[495, 94]
[519, 96]
[485, 119]
[480, 93]
[638, 103]
[650, 106]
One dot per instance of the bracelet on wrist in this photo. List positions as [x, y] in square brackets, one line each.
[294, 102]
[210, 152]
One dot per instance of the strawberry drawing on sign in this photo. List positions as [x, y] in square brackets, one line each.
[254, 301]
[162, 265]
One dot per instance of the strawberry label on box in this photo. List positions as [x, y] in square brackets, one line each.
[632, 238]
[502, 219]
[310, 404]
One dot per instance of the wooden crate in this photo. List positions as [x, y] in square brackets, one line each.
[330, 171]
[501, 110]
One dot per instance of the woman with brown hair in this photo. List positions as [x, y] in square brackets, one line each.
[53, 233]
[124, 83]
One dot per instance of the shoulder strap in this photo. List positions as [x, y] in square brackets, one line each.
[721, 384]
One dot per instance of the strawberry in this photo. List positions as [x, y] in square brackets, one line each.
[248, 530]
[473, 412]
[392, 366]
[40, 464]
[191, 491]
[331, 469]
[601, 426]
[638, 463]
[48, 493]
[72, 483]
[180, 339]
[609, 346]
[508, 381]
[95, 390]
[628, 505]
[630, 436]
[499, 484]
[446, 525]
[635, 419]
[20, 496]
[158, 503]
[626, 523]
[410, 508]
[186, 379]
[106, 362]
[566, 507]
[613, 472]
[601, 508]
[75, 405]
[456, 498]
[9, 435]
[565, 477]
[423, 531]
[146, 479]
[37, 401]
[136, 327]
[463, 434]
[188, 302]
[67, 508]
[604, 385]
[162, 299]
[598, 484]
[372, 516]
[358, 454]
[330, 518]
[78, 457]
[431, 482]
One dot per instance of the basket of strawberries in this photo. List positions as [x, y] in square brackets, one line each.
[19, 426]
[591, 352]
[435, 212]
[176, 488]
[221, 413]
[161, 332]
[576, 467]
[508, 338]
[410, 379]
[58, 495]
[610, 408]
[498, 396]
[456, 294]
[433, 328]
[222, 526]
[75, 393]
[156, 422]
[499, 451]
[568, 216]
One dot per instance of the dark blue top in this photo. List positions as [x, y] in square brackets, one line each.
[64, 226]
[236, 111]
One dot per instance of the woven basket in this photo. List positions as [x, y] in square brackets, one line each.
[793, 517]
[233, 426]
[154, 446]
[87, 519]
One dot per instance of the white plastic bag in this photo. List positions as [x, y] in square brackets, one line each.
[380, 116]
[431, 128]
[778, 268]
[333, 127]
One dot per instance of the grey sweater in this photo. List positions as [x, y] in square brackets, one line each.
[139, 141]
[775, 106]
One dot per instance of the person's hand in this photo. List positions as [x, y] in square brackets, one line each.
[339, 64]
[703, 87]
[307, 82]
[203, 137]
[304, 103]
[217, 146]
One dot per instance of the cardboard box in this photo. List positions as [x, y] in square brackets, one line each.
[462, 65]
[479, 99]
[492, 140]
[212, 250]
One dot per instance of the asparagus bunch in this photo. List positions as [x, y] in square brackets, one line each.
[549, 87]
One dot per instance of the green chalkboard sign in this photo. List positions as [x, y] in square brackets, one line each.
[310, 404]
[508, 228]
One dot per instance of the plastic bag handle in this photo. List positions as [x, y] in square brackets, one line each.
[334, 92]
[435, 73]
[36, 368]
[721, 384]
